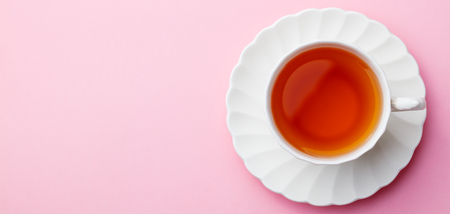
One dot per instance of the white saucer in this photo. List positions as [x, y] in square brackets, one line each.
[281, 172]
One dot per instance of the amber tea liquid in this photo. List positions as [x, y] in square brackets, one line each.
[326, 102]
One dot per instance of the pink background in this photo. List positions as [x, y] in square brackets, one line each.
[119, 106]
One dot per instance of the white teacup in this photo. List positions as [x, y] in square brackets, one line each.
[388, 104]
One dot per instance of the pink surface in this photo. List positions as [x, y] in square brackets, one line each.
[119, 107]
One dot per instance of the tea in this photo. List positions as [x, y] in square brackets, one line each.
[326, 102]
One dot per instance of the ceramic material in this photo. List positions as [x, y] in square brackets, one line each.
[299, 180]
[399, 103]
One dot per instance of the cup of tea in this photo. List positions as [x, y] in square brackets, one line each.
[328, 102]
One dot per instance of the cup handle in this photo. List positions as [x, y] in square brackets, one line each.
[408, 104]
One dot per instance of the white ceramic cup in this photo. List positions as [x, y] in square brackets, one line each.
[388, 104]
